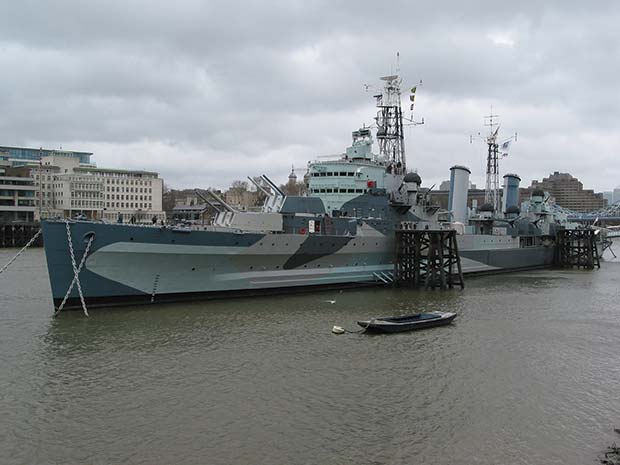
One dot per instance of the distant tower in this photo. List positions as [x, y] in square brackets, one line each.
[292, 178]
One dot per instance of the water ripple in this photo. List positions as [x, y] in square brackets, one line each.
[528, 374]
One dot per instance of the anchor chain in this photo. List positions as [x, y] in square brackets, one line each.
[76, 272]
[30, 242]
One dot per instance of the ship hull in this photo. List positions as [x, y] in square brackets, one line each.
[129, 264]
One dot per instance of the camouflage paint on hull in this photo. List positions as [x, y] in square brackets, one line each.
[133, 264]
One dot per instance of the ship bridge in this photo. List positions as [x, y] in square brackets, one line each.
[349, 175]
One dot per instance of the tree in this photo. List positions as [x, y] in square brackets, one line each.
[169, 197]
[239, 186]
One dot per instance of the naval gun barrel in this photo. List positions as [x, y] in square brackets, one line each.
[273, 186]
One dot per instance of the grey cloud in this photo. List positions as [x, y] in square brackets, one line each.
[191, 85]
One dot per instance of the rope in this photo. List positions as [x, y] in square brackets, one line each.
[76, 272]
[30, 242]
[348, 331]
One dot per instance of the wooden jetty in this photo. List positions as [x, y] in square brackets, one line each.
[427, 257]
[577, 247]
[18, 234]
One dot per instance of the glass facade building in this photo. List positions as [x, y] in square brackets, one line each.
[20, 155]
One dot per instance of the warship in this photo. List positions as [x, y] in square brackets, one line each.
[340, 234]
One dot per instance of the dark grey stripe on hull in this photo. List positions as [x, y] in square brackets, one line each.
[73, 303]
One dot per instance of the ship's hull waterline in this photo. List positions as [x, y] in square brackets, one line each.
[130, 264]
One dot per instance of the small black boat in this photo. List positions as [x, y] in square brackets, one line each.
[408, 322]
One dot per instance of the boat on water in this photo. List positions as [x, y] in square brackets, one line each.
[341, 234]
[400, 324]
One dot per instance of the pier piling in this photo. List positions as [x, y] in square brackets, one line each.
[427, 257]
[18, 234]
[577, 247]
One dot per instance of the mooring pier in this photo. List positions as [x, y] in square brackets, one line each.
[18, 234]
[427, 257]
[577, 247]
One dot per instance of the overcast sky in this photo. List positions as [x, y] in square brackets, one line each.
[205, 92]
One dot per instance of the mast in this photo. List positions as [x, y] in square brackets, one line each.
[40, 184]
[491, 190]
[494, 151]
[390, 135]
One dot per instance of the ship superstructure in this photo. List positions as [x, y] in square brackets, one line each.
[340, 234]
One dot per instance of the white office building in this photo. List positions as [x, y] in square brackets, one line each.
[67, 188]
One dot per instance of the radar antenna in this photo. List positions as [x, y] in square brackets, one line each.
[390, 135]
[495, 149]
[389, 122]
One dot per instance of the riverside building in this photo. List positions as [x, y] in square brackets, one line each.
[17, 194]
[68, 188]
[19, 156]
[569, 193]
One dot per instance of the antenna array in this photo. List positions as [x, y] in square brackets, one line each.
[492, 187]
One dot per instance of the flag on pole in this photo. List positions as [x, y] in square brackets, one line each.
[412, 97]
[413, 89]
[504, 148]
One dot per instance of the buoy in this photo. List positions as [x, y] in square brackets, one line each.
[338, 330]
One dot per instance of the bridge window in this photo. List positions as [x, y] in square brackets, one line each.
[329, 173]
[351, 174]
[329, 191]
[322, 173]
[343, 173]
[343, 191]
[351, 191]
[322, 191]
[359, 191]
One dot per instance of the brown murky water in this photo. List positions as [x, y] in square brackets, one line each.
[528, 374]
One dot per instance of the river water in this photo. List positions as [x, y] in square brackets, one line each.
[529, 373]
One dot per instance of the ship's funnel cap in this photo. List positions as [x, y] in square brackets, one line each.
[486, 207]
[461, 167]
[538, 193]
[513, 210]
